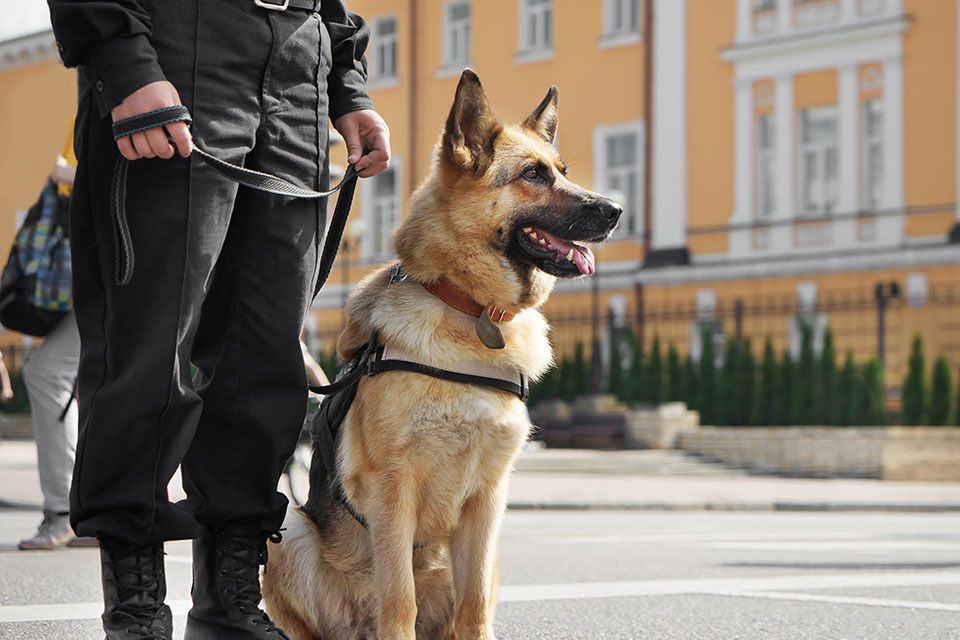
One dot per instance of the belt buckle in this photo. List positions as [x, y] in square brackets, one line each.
[273, 6]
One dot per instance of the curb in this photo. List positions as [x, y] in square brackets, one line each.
[12, 505]
[732, 506]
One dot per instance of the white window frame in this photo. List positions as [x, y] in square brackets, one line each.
[632, 211]
[379, 46]
[615, 33]
[542, 47]
[766, 160]
[871, 150]
[371, 212]
[453, 27]
[828, 190]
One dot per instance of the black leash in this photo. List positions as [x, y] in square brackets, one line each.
[246, 177]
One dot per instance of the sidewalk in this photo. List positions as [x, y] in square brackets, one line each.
[584, 479]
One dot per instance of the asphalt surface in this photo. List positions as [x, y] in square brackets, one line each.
[620, 574]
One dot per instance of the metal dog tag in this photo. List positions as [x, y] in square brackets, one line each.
[489, 333]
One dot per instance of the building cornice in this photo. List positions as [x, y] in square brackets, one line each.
[29, 49]
[803, 40]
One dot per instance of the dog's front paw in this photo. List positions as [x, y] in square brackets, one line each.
[482, 633]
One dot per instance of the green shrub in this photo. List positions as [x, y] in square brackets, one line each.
[914, 409]
[805, 410]
[785, 406]
[707, 380]
[940, 393]
[746, 382]
[763, 410]
[674, 384]
[688, 383]
[727, 384]
[850, 393]
[19, 403]
[829, 392]
[874, 411]
[653, 389]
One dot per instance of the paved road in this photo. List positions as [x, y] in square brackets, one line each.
[623, 575]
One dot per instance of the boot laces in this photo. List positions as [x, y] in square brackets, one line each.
[242, 559]
[142, 578]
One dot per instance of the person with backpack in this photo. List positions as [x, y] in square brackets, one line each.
[174, 265]
[49, 372]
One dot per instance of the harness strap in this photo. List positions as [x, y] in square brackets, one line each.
[241, 175]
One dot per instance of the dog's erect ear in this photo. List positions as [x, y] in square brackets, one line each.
[471, 127]
[546, 117]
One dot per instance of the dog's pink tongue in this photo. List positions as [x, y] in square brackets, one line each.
[582, 256]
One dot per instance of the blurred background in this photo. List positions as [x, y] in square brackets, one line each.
[789, 171]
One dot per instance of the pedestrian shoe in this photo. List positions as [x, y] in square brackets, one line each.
[134, 588]
[226, 585]
[53, 532]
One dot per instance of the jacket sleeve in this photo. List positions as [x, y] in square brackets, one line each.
[110, 41]
[349, 35]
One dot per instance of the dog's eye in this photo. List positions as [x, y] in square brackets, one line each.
[532, 174]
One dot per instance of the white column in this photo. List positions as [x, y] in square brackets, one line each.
[744, 19]
[848, 10]
[785, 141]
[848, 97]
[743, 207]
[893, 134]
[669, 200]
[784, 16]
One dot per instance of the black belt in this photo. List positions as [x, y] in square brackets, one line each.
[283, 5]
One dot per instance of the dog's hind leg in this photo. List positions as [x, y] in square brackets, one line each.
[474, 562]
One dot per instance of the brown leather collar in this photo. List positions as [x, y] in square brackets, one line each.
[461, 300]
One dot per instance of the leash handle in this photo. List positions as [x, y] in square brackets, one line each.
[241, 175]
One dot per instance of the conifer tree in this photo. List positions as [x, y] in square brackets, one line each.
[636, 379]
[956, 418]
[874, 410]
[850, 395]
[615, 384]
[785, 406]
[940, 393]
[727, 385]
[746, 385]
[655, 388]
[804, 399]
[828, 379]
[673, 392]
[569, 377]
[764, 399]
[707, 380]
[688, 383]
[914, 409]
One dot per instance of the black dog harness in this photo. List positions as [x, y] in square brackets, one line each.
[372, 359]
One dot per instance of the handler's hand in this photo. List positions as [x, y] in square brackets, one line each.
[365, 129]
[152, 142]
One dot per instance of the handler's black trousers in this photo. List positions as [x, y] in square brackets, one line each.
[223, 276]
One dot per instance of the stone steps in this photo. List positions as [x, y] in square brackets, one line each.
[648, 462]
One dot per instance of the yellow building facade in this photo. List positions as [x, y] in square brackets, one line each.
[777, 159]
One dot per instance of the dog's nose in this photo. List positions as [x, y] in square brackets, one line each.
[608, 209]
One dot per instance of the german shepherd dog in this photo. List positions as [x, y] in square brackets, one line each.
[424, 460]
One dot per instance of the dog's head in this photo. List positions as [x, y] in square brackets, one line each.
[498, 215]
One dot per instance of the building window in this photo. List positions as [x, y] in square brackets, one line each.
[536, 25]
[383, 53]
[766, 158]
[621, 17]
[456, 33]
[872, 156]
[618, 167]
[381, 199]
[818, 163]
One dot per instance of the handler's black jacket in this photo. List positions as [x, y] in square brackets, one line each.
[110, 41]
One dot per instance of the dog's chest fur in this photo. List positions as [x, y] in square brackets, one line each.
[459, 439]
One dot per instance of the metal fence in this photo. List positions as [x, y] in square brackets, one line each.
[867, 322]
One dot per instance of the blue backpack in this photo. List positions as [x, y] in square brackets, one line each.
[36, 285]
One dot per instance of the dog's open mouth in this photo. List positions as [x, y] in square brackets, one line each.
[566, 257]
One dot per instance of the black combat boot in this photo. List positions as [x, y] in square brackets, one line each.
[226, 585]
[133, 591]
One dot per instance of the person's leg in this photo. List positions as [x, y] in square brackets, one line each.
[251, 375]
[49, 374]
[138, 409]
